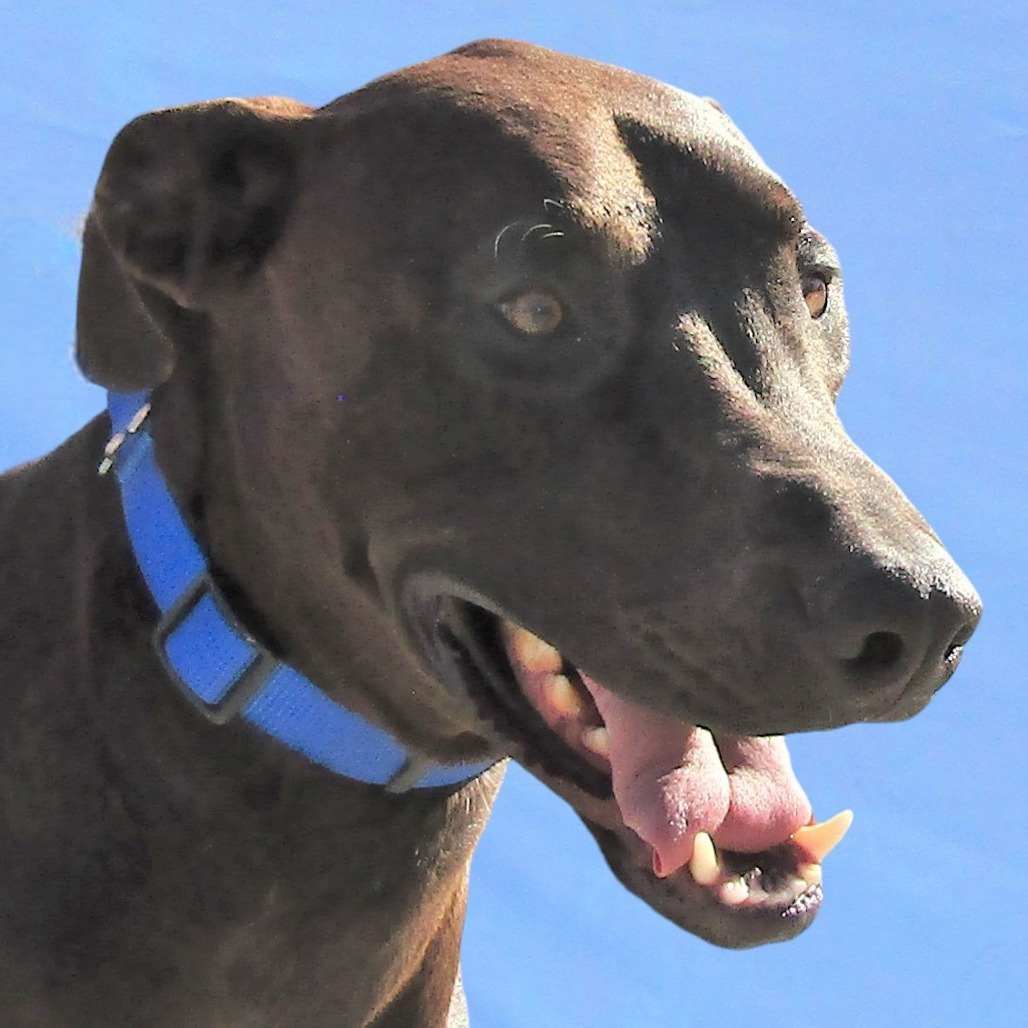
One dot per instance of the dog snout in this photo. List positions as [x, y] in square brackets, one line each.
[884, 612]
[889, 636]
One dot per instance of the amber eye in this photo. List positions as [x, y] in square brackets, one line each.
[535, 312]
[815, 293]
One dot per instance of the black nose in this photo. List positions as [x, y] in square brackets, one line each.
[891, 639]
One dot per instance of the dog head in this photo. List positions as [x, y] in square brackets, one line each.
[502, 394]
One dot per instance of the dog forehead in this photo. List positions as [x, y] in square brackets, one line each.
[597, 128]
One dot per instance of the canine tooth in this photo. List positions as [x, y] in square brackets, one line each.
[703, 864]
[817, 841]
[597, 740]
[563, 696]
[529, 650]
[734, 892]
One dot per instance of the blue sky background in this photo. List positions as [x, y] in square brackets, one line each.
[903, 128]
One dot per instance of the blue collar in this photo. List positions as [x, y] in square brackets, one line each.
[218, 666]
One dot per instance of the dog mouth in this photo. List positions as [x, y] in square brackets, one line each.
[711, 829]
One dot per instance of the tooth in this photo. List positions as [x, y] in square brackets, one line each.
[817, 841]
[757, 895]
[529, 650]
[563, 696]
[597, 740]
[703, 864]
[734, 892]
[809, 875]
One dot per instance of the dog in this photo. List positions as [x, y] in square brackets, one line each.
[486, 412]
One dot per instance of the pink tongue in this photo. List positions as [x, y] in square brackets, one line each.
[673, 780]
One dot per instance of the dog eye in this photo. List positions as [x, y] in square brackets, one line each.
[535, 312]
[815, 293]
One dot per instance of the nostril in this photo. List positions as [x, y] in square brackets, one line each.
[957, 643]
[881, 650]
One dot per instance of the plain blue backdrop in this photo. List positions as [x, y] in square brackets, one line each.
[904, 130]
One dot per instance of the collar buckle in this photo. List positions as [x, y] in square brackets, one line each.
[192, 618]
[118, 440]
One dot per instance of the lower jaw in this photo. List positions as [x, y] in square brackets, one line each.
[697, 910]
[784, 890]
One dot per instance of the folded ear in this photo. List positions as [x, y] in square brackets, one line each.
[189, 200]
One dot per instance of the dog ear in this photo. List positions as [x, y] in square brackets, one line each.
[189, 199]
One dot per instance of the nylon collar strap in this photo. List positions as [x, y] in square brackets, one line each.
[217, 665]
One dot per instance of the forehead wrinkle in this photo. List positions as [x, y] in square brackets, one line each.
[608, 195]
[687, 148]
[601, 187]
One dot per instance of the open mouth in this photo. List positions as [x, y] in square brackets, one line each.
[711, 829]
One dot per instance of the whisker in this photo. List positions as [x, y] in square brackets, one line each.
[499, 237]
[537, 228]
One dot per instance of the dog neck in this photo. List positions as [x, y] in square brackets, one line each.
[221, 669]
